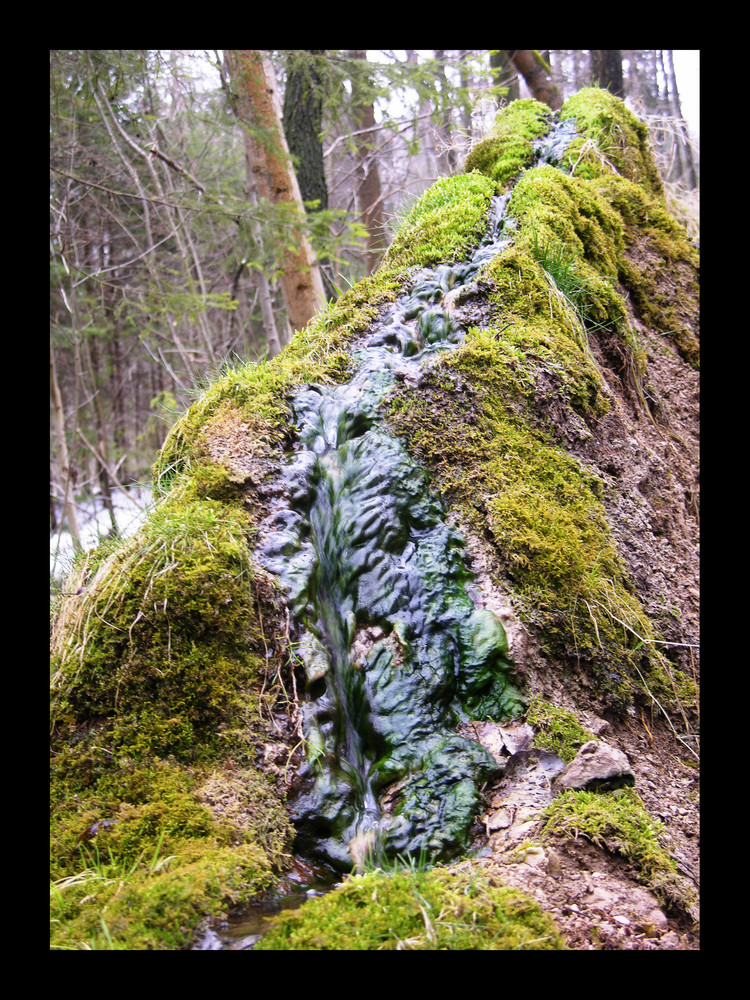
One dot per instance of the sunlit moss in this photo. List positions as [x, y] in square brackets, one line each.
[510, 146]
[155, 904]
[444, 226]
[438, 910]
[159, 668]
[610, 136]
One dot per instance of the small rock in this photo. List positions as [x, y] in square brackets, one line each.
[595, 724]
[517, 736]
[596, 765]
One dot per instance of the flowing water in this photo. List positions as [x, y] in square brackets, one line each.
[394, 650]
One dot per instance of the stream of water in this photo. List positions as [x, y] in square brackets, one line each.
[393, 648]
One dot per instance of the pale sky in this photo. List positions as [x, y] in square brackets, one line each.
[687, 70]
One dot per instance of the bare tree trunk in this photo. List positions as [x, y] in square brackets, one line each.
[368, 191]
[270, 325]
[303, 129]
[259, 111]
[539, 81]
[69, 508]
[606, 70]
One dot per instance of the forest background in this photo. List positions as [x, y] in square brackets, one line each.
[176, 234]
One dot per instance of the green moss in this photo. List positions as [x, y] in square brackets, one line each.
[609, 210]
[160, 666]
[473, 428]
[439, 910]
[442, 227]
[509, 148]
[143, 847]
[610, 136]
[557, 730]
[156, 904]
[165, 621]
[619, 822]
[659, 266]
[556, 211]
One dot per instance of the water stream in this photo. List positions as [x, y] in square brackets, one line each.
[396, 654]
[394, 650]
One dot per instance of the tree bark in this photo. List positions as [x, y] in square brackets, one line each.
[531, 67]
[303, 129]
[69, 509]
[259, 111]
[303, 125]
[368, 191]
[606, 70]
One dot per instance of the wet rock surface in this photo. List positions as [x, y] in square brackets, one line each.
[394, 649]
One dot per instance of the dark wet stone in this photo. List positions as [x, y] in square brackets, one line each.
[363, 550]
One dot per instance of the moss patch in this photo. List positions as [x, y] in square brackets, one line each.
[557, 730]
[619, 822]
[541, 509]
[610, 138]
[510, 147]
[444, 226]
[153, 904]
[439, 910]
[156, 697]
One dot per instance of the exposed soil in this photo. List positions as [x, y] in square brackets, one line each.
[596, 896]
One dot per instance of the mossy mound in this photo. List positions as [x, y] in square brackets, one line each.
[510, 146]
[442, 909]
[493, 419]
[171, 668]
[610, 140]
[156, 698]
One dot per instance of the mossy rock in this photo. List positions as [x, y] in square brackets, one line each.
[510, 146]
[611, 138]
